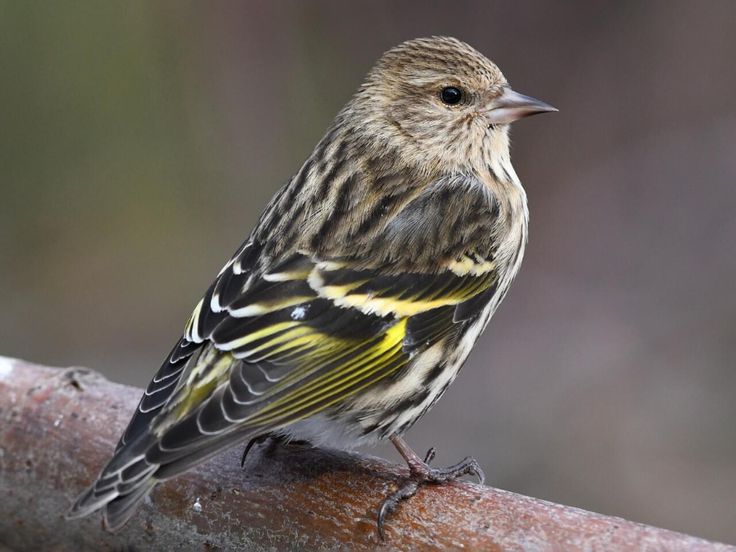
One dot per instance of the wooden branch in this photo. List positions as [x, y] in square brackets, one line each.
[60, 426]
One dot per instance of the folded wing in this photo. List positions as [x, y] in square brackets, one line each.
[267, 347]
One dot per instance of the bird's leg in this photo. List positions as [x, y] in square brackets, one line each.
[420, 474]
[274, 439]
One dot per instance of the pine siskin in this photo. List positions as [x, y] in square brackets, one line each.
[359, 294]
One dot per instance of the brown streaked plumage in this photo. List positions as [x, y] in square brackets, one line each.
[360, 292]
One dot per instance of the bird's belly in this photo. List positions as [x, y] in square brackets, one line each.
[331, 430]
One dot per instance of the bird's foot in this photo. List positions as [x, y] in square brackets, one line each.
[421, 474]
[274, 439]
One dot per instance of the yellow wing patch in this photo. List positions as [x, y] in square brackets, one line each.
[405, 302]
[331, 386]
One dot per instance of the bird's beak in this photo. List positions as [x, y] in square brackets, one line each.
[512, 106]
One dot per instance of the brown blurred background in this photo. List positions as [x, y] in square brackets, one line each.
[141, 140]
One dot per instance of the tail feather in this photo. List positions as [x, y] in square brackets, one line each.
[120, 509]
[125, 473]
[131, 475]
[163, 447]
[89, 501]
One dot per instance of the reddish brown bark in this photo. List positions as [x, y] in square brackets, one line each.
[59, 426]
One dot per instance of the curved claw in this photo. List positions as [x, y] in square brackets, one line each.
[390, 503]
[253, 442]
[470, 466]
[478, 472]
[467, 466]
[430, 455]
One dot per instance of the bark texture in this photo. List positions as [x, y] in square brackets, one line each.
[58, 427]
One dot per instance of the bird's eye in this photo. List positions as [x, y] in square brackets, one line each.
[451, 95]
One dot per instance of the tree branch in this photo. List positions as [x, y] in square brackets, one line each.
[60, 426]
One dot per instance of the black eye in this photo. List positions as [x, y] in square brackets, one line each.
[451, 95]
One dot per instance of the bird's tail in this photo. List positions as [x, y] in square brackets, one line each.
[130, 475]
[122, 484]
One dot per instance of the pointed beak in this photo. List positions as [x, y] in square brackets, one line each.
[512, 106]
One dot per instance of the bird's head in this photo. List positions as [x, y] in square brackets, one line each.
[442, 101]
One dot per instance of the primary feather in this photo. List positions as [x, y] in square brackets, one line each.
[357, 297]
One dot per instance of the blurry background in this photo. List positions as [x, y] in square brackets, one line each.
[141, 140]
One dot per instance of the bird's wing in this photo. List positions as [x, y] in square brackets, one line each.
[303, 337]
[264, 350]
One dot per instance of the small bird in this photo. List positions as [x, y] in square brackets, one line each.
[352, 305]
